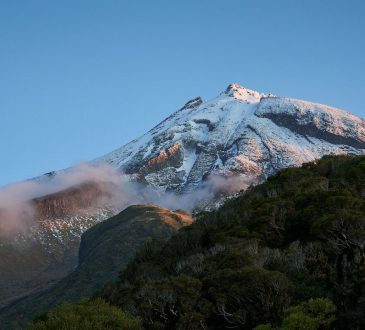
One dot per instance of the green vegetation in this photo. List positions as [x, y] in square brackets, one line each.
[95, 314]
[288, 254]
[313, 314]
[296, 240]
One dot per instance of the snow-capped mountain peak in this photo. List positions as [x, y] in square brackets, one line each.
[242, 133]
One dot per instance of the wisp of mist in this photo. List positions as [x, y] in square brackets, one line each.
[17, 210]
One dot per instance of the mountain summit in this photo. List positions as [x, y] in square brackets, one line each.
[244, 94]
[239, 133]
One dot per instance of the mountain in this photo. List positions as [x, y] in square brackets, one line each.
[239, 138]
[104, 251]
[239, 133]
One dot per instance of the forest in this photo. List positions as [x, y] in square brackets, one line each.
[286, 254]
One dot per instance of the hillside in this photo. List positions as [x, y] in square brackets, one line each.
[105, 249]
[34, 259]
[288, 253]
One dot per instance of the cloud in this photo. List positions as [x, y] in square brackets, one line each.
[17, 207]
[214, 187]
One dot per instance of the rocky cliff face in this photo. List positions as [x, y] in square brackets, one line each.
[71, 201]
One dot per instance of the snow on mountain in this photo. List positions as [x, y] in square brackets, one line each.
[241, 132]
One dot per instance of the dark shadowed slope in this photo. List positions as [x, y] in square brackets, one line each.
[105, 250]
[46, 250]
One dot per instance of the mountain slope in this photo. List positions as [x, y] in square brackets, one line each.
[47, 251]
[104, 251]
[297, 240]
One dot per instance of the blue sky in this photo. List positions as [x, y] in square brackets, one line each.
[81, 78]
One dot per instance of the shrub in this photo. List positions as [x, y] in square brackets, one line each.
[94, 314]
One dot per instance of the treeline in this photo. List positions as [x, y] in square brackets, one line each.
[287, 254]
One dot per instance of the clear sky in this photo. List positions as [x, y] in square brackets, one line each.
[81, 78]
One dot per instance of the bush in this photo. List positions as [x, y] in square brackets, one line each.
[94, 314]
[311, 315]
